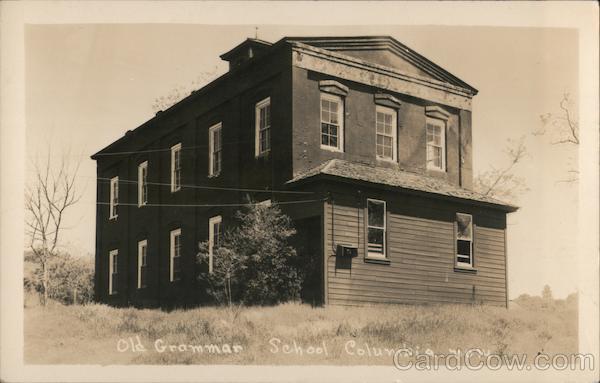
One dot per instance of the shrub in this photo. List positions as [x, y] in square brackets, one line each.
[254, 263]
[70, 279]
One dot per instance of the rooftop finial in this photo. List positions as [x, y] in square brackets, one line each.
[256, 32]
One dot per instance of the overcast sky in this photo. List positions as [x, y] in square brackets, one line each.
[88, 84]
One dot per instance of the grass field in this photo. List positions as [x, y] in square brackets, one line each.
[98, 334]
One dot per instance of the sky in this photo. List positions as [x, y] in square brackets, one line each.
[86, 85]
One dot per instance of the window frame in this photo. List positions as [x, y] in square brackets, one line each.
[457, 263]
[143, 244]
[257, 127]
[112, 274]
[143, 184]
[341, 107]
[175, 152]
[173, 234]
[211, 149]
[443, 126]
[394, 136]
[212, 221]
[370, 255]
[114, 198]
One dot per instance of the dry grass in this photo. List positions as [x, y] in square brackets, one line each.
[90, 333]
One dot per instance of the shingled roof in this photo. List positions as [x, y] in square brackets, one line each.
[397, 178]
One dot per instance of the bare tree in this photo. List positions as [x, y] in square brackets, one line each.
[503, 183]
[562, 129]
[47, 198]
[180, 92]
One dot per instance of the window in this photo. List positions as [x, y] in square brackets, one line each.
[332, 122]
[214, 238]
[175, 255]
[386, 133]
[376, 228]
[143, 183]
[263, 126]
[142, 263]
[436, 144]
[464, 240]
[214, 151]
[114, 197]
[175, 167]
[112, 272]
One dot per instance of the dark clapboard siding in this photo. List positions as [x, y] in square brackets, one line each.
[421, 252]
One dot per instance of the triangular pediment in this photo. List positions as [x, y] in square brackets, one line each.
[388, 52]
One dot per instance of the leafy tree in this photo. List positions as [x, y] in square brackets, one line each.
[254, 264]
[70, 279]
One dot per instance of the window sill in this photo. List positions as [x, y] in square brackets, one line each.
[331, 149]
[214, 175]
[387, 159]
[380, 261]
[437, 170]
[263, 154]
[465, 269]
[114, 218]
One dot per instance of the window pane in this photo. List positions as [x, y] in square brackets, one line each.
[376, 240]
[375, 212]
[464, 226]
[463, 247]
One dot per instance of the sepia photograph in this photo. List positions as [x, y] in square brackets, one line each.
[236, 199]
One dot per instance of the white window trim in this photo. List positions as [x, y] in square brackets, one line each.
[111, 255]
[341, 106]
[211, 146]
[141, 244]
[376, 255]
[259, 105]
[211, 232]
[175, 149]
[112, 205]
[442, 125]
[174, 233]
[468, 265]
[141, 167]
[393, 112]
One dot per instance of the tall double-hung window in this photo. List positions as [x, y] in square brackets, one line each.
[215, 150]
[263, 126]
[436, 144]
[214, 239]
[464, 240]
[332, 122]
[386, 133]
[143, 183]
[114, 197]
[376, 228]
[113, 274]
[176, 167]
[175, 255]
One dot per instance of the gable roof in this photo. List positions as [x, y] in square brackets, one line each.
[342, 169]
[388, 43]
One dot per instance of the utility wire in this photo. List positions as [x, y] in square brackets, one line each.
[214, 205]
[169, 149]
[190, 186]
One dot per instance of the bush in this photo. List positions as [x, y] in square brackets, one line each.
[70, 279]
[254, 263]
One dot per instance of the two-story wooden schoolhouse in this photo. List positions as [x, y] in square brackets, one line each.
[365, 144]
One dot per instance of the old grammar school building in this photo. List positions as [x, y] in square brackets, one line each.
[363, 142]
